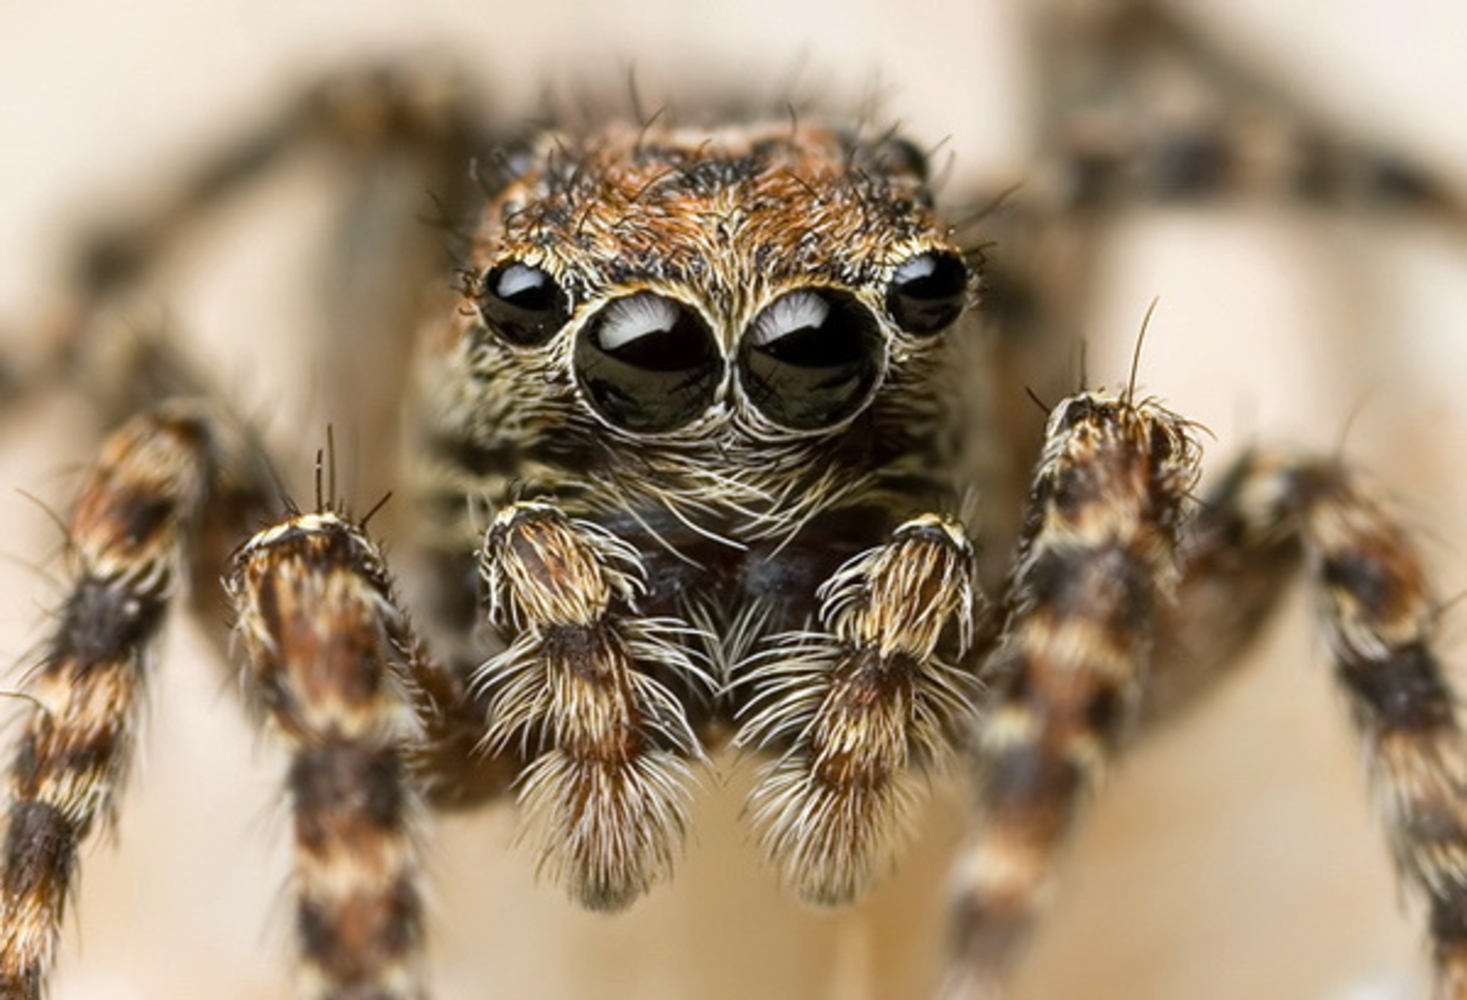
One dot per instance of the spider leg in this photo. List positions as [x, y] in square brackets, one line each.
[859, 709]
[134, 521]
[399, 142]
[1237, 560]
[1140, 108]
[1097, 554]
[1267, 514]
[331, 658]
[1138, 105]
[585, 688]
[1379, 617]
[345, 682]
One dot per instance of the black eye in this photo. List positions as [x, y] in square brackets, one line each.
[648, 363]
[523, 304]
[810, 359]
[928, 292]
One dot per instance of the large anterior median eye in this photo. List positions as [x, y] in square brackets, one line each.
[648, 363]
[811, 358]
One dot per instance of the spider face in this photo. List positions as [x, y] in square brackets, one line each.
[715, 290]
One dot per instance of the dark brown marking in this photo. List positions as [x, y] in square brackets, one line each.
[1105, 586]
[40, 851]
[344, 792]
[592, 651]
[141, 515]
[1190, 166]
[102, 621]
[44, 753]
[1107, 712]
[352, 941]
[1369, 578]
[1035, 789]
[1075, 488]
[1449, 915]
[1404, 691]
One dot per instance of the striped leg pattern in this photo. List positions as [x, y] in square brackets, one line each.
[857, 712]
[1046, 735]
[329, 658]
[1097, 556]
[1379, 617]
[580, 691]
[127, 535]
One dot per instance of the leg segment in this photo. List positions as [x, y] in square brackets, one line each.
[128, 534]
[859, 710]
[1098, 553]
[399, 142]
[330, 657]
[372, 112]
[1379, 618]
[583, 689]
[1237, 560]
[1138, 107]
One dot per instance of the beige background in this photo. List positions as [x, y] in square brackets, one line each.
[1234, 857]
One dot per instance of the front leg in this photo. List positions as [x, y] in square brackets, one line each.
[332, 664]
[167, 485]
[583, 689]
[1097, 557]
[859, 708]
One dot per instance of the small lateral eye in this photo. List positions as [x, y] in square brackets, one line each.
[523, 304]
[928, 292]
[648, 363]
[811, 358]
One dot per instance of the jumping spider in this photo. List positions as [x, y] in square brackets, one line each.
[693, 463]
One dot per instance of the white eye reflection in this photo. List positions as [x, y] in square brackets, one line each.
[635, 317]
[799, 310]
[648, 363]
[811, 359]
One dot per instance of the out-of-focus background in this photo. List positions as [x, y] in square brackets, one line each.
[1234, 855]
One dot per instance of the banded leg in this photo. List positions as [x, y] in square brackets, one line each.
[399, 141]
[128, 535]
[584, 689]
[858, 711]
[330, 655]
[1379, 617]
[1139, 107]
[1098, 554]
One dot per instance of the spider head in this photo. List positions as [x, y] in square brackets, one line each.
[767, 283]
